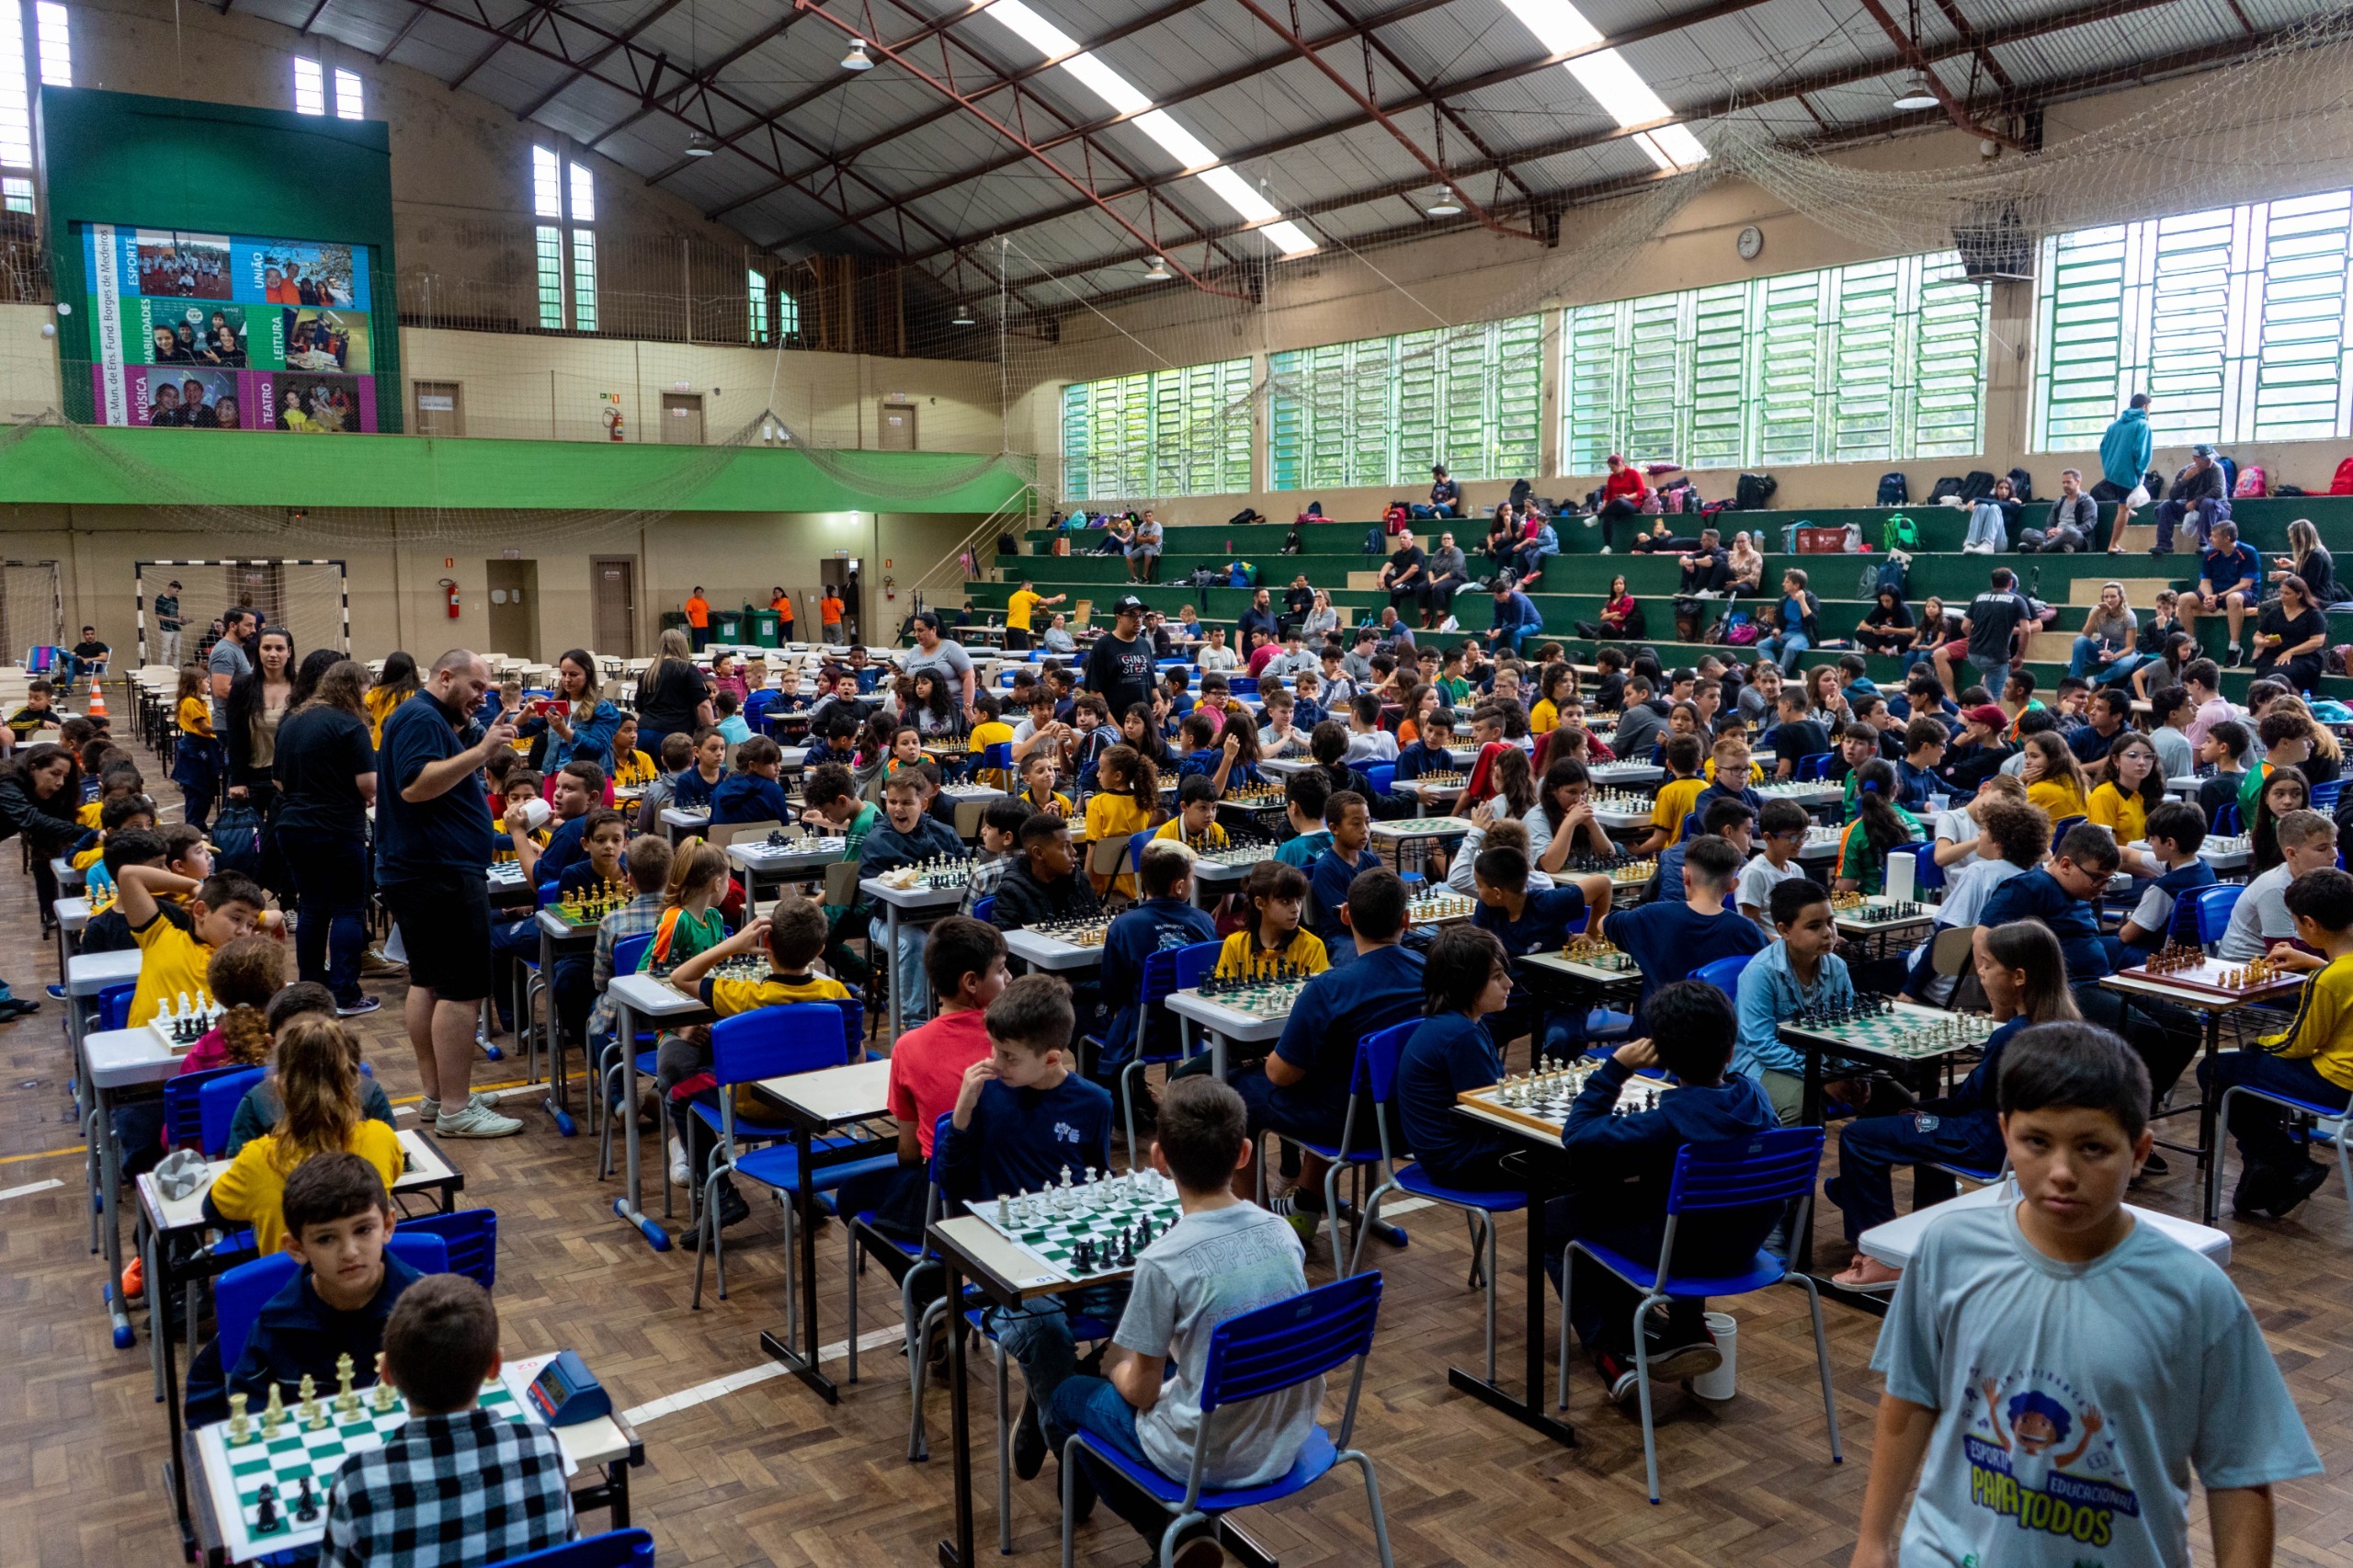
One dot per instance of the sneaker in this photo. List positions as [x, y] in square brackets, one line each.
[428, 1110]
[1605, 549]
[679, 1175]
[1029, 1443]
[2295, 1186]
[1618, 1376]
[374, 962]
[1590, 522]
[475, 1121]
[364, 1006]
[56, 993]
[733, 1210]
[1673, 1363]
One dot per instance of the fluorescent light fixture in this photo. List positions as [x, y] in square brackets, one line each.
[1289, 238]
[1444, 204]
[1917, 94]
[963, 316]
[699, 144]
[1190, 150]
[856, 59]
[1611, 81]
[1158, 271]
[1618, 89]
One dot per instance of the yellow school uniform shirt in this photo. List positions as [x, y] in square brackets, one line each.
[775, 989]
[2127, 816]
[1243, 958]
[1544, 716]
[1062, 807]
[1215, 838]
[635, 771]
[2322, 1031]
[170, 962]
[196, 717]
[380, 701]
[252, 1189]
[86, 813]
[1674, 803]
[2058, 796]
[1112, 816]
[989, 733]
[85, 858]
[1018, 608]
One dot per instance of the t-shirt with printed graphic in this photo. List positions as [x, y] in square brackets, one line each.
[2073, 1401]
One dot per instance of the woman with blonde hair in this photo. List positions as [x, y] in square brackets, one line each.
[2108, 631]
[2309, 559]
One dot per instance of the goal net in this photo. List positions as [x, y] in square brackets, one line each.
[32, 610]
[309, 598]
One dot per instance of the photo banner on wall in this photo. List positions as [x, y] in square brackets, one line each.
[223, 331]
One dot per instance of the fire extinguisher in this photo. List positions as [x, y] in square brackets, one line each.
[450, 591]
[889, 587]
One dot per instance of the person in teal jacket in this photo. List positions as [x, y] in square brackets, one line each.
[2125, 448]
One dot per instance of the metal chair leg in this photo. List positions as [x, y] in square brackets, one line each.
[852, 1266]
[1568, 1279]
[1642, 1393]
[1003, 1452]
[1821, 1363]
[1487, 1229]
[1372, 1502]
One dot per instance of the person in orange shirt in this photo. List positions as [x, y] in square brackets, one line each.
[829, 610]
[279, 291]
[699, 618]
[781, 602]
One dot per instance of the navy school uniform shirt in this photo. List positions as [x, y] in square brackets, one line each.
[562, 851]
[1669, 939]
[1448, 1054]
[296, 1333]
[1633, 1157]
[1544, 923]
[582, 877]
[1328, 880]
[2037, 895]
[1021, 1138]
[1147, 929]
[2180, 887]
[1914, 786]
[887, 849]
[448, 833]
[1339, 1007]
[748, 797]
[1796, 739]
[1708, 796]
[692, 790]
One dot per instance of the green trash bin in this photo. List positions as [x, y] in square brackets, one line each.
[763, 624]
[726, 626]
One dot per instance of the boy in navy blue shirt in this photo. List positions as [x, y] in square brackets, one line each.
[752, 793]
[1164, 918]
[1203, 756]
[1668, 936]
[1727, 817]
[697, 784]
[2167, 911]
[1350, 820]
[1024, 1123]
[1530, 922]
[1916, 780]
[1620, 1168]
[2060, 895]
[337, 1218]
[1301, 1090]
[1466, 981]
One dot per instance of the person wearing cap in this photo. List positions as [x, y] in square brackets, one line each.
[169, 622]
[1119, 667]
[1446, 496]
[1622, 495]
[1978, 751]
[949, 662]
[2197, 490]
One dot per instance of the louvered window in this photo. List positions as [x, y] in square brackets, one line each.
[1182, 432]
[1383, 410]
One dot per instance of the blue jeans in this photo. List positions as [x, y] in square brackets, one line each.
[330, 871]
[2261, 1129]
[1037, 1335]
[2086, 661]
[2118, 670]
[906, 968]
[1783, 648]
[1871, 1146]
[1092, 1406]
[2201, 516]
[1987, 525]
[1513, 637]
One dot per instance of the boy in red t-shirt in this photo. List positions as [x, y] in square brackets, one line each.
[964, 961]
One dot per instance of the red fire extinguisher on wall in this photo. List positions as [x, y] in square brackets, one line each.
[450, 591]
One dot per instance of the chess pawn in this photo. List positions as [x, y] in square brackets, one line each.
[313, 1417]
[240, 1425]
[379, 1397]
[273, 1414]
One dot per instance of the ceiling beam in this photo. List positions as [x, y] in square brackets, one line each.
[2099, 11]
[1446, 113]
[518, 25]
[1955, 110]
[653, 103]
[661, 9]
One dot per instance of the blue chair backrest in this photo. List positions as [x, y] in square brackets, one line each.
[114, 1005]
[2214, 907]
[470, 1237]
[1195, 961]
[614, 1548]
[1773, 1166]
[2226, 820]
[1814, 769]
[1381, 776]
[217, 1103]
[184, 1105]
[1136, 842]
[1160, 970]
[1926, 874]
[1241, 686]
[1690, 827]
[2059, 831]
[985, 908]
[1378, 1056]
[1283, 1346]
[997, 754]
[2324, 796]
[240, 1294]
[776, 1042]
[1724, 973]
[628, 951]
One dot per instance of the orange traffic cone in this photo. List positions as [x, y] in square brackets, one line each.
[97, 709]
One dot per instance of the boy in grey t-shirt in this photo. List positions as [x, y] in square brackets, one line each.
[2062, 1368]
[1223, 1258]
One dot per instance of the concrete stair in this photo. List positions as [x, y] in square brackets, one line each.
[1362, 580]
[2140, 591]
[2056, 647]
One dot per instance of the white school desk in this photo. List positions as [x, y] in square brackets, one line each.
[1050, 953]
[897, 903]
[1895, 1242]
[655, 1001]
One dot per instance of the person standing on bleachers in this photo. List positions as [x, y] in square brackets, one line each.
[2125, 448]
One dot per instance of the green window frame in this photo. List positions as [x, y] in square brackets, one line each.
[1383, 410]
[1158, 433]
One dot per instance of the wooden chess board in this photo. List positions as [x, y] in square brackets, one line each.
[2207, 978]
[1548, 1100]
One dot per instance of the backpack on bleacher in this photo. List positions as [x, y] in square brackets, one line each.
[2253, 482]
[1900, 532]
[1373, 542]
[1977, 485]
[1894, 490]
[1737, 629]
[1945, 488]
[1754, 491]
[2343, 483]
[2021, 484]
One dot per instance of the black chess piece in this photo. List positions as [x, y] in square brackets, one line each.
[1085, 1257]
[1127, 1250]
[266, 1519]
[306, 1506]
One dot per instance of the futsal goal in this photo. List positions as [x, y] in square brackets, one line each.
[311, 599]
[32, 610]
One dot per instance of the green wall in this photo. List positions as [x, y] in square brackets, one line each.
[218, 168]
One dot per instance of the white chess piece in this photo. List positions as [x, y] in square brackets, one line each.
[1004, 1210]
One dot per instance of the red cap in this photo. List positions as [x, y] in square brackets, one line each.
[1985, 713]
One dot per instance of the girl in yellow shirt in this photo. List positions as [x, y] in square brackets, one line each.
[1274, 942]
[1554, 687]
[632, 769]
[1125, 802]
[1038, 779]
[2130, 787]
[196, 755]
[395, 686]
[318, 1078]
[2054, 780]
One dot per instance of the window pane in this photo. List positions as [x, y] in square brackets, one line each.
[56, 46]
[1382, 410]
[1181, 432]
[551, 247]
[583, 279]
[16, 195]
[16, 107]
[547, 183]
[756, 288]
[583, 195]
[350, 99]
[309, 93]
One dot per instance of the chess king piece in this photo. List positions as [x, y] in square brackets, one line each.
[346, 1402]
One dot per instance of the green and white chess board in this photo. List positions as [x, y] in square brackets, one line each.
[1104, 1212]
[1905, 1032]
[1259, 998]
[297, 1454]
[1413, 827]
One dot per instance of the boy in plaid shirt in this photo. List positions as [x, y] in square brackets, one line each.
[457, 1486]
[649, 872]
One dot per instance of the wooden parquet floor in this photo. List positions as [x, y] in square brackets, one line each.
[767, 1474]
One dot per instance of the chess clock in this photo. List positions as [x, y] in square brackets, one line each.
[566, 1393]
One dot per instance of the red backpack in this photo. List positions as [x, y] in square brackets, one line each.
[1398, 517]
[2343, 483]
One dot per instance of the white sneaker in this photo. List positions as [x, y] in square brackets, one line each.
[679, 1175]
[1709, 594]
[1606, 550]
[476, 1121]
[1591, 522]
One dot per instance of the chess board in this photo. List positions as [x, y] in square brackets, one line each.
[1438, 909]
[1599, 955]
[1073, 932]
[1903, 1031]
[507, 874]
[1259, 998]
[2207, 977]
[1539, 1102]
[970, 792]
[1879, 912]
[162, 1029]
[1105, 1213]
[589, 914]
[1239, 855]
[1422, 827]
[295, 1454]
[935, 874]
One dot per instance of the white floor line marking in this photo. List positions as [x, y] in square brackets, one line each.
[9, 1192]
[718, 1387]
[1404, 1206]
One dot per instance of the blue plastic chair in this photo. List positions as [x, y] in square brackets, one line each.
[2226, 820]
[1252, 1356]
[1160, 978]
[114, 1005]
[1768, 1170]
[628, 951]
[1363, 1102]
[986, 907]
[1724, 973]
[471, 1237]
[2324, 796]
[2289, 1102]
[184, 1104]
[217, 1103]
[1383, 1052]
[239, 1295]
[772, 1042]
[1383, 776]
[2059, 831]
[2214, 907]
[614, 1548]
[1241, 686]
[1816, 768]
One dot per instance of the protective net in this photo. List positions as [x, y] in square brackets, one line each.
[32, 610]
[306, 598]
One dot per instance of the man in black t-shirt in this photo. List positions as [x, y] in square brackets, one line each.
[1403, 575]
[89, 658]
[1119, 667]
[1992, 626]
